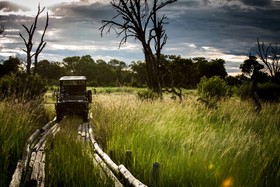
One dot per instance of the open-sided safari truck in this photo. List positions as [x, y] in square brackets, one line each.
[73, 98]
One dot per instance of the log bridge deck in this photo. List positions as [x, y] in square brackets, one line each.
[32, 163]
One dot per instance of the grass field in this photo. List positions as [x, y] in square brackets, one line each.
[69, 162]
[195, 146]
[17, 123]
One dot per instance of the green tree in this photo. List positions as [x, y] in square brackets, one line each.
[214, 67]
[119, 68]
[86, 66]
[70, 63]
[50, 70]
[213, 88]
[9, 66]
[104, 74]
[139, 73]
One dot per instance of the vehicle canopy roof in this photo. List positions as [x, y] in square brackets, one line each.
[73, 78]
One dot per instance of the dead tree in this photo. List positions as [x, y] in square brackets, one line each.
[269, 54]
[29, 42]
[137, 20]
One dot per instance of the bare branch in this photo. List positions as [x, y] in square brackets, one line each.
[142, 23]
[269, 55]
[29, 42]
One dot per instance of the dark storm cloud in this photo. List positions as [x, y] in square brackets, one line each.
[94, 11]
[7, 6]
[258, 2]
[195, 28]
[225, 26]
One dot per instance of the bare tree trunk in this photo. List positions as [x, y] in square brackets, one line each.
[41, 46]
[142, 23]
[29, 43]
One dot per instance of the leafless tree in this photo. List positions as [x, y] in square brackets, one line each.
[29, 42]
[139, 19]
[269, 54]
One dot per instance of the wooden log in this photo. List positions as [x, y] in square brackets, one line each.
[41, 174]
[104, 156]
[26, 156]
[36, 167]
[22, 164]
[129, 177]
[107, 171]
[83, 130]
[33, 136]
[80, 129]
[40, 142]
[32, 159]
[83, 133]
[55, 130]
[87, 132]
[16, 178]
[47, 126]
[27, 153]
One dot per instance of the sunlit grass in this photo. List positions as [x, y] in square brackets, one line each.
[116, 90]
[69, 162]
[17, 122]
[228, 146]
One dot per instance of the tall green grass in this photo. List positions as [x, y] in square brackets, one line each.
[228, 146]
[69, 162]
[17, 122]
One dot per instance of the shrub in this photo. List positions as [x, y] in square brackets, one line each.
[269, 91]
[147, 95]
[22, 86]
[244, 91]
[212, 88]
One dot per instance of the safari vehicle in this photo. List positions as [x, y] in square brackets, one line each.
[73, 98]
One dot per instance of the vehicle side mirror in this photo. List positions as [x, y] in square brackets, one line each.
[89, 95]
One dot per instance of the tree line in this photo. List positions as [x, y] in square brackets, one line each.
[177, 72]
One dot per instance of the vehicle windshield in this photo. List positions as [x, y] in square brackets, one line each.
[74, 82]
[73, 88]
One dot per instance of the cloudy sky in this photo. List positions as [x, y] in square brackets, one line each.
[213, 29]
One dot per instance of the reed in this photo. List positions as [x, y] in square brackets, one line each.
[69, 162]
[17, 122]
[195, 146]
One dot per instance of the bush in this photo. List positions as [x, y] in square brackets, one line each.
[22, 86]
[244, 91]
[269, 91]
[212, 88]
[147, 95]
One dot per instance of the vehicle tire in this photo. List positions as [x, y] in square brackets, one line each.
[85, 117]
[58, 117]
